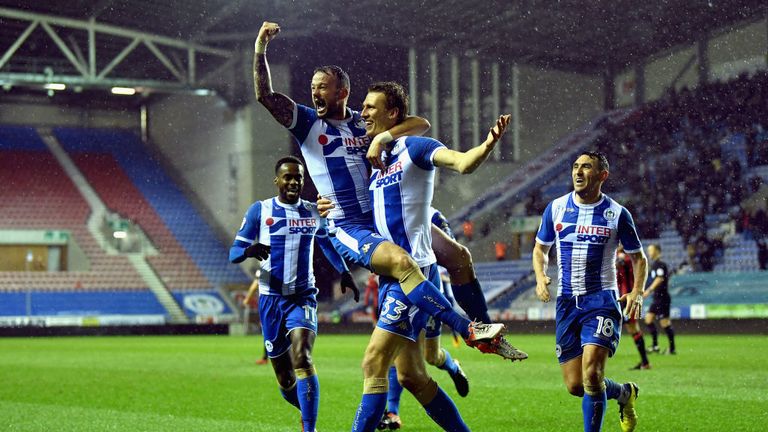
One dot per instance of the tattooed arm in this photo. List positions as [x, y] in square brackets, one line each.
[279, 105]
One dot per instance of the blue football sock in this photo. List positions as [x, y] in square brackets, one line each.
[471, 298]
[395, 390]
[291, 396]
[449, 364]
[593, 410]
[369, 412]
[308, 390]
[612, 389]
[444, 412]
[429, 299]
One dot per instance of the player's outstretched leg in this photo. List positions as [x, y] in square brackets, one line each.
[501, 347]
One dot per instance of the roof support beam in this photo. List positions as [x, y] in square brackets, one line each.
[119, 58]
[64, 48]
[181, 62]
[164, 60]
[110, 29]
[19, 41]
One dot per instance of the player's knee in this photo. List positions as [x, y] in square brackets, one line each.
[286, 380]
[412, 381]
[593, 375]
[302, 357]
[374, 362]
[460, 258]
[403, 265]
[575, 388]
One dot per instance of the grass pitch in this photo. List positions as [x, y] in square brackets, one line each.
[211, 383]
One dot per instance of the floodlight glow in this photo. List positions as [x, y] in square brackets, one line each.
[119, 234]
[54, 86]
[127, 91]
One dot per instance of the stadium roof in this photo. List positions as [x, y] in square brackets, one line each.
[587, 36]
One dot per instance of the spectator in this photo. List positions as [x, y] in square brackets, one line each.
[468, 227]
[371, 297]
[501, 250]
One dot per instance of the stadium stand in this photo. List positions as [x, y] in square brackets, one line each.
[186, 241]
[37, 194]
[713, 218]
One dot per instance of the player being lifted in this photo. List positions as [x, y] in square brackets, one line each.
[333, 142]
[587, 226]
[401, 196]
[280, 232]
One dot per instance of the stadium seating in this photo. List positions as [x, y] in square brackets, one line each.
[191, 256]
[40, 195]
[37, 194]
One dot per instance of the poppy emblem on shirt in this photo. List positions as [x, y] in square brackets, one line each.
[322, 139]
[269, 221]
[559, 227]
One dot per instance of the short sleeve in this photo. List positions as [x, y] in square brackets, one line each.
[247, 234]
[303, 119]
[546, 233]
[628, 233]
[422, 150]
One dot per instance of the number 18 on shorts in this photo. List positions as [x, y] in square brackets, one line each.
[593, 319]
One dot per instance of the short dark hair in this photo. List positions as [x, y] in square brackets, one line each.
[396, 96]
[289, 160]
[602, 160]
[342, 79]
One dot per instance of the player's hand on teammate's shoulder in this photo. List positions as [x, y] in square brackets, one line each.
[378, 143]
[542, 288]
[348, 282]
[258, 251]
[324, 206]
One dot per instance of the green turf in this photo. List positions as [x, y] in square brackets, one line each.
[210, 383]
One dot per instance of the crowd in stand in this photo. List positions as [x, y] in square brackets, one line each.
[685, 156]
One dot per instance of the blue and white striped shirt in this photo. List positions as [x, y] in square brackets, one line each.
[334, 151]
[290, 231]
[587, 236]
[402, 195]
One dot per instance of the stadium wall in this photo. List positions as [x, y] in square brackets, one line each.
[225, 155]
[677, 69]
[66, 110]
[728, 53]
[743, 47]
